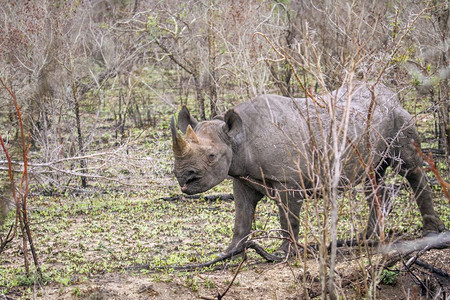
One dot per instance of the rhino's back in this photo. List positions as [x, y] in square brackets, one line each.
[282, 133]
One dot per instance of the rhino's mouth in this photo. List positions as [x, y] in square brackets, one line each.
[191, 181]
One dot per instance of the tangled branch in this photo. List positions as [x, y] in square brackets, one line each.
[20, 197]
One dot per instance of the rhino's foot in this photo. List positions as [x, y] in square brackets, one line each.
[432, 225]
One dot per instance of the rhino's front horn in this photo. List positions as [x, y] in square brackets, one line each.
[179, 145]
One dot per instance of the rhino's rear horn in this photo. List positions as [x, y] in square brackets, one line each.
[179, 145]
[190, 135]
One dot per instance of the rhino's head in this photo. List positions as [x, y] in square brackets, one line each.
[203, 157]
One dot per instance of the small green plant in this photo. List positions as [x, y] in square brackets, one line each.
[191, 283]
[23, 280]
[64, 280]
[389, 277]
[76, 292]
[156, 277]
[209, 284]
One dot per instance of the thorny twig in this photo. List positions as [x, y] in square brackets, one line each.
[371, 169]
[21, 197]
[405, 249]
[8, 238]
[219, 295]
[429, 159]
[396, 48]
[297, 77]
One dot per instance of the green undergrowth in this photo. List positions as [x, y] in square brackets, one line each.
[77, 238]
[80, 237]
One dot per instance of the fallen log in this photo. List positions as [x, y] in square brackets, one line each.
[217, 197]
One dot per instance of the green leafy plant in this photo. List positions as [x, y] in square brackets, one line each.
[389, 277]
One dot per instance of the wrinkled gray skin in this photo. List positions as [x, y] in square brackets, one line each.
[6, 202]
[267, 146]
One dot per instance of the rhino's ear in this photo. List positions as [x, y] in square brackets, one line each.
[233, 123]
[185, 119]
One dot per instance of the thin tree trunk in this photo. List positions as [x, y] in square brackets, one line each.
[442, 15]
[80, 140]
[78, 125]
[212, 64]
[200, 98]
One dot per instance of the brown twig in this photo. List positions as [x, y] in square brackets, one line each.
[246, 245]
[285, 57]
[432, 269]
[409, 28]
[21, 203]
[371, 171]
[220, 296]
[8, 238]
[429, 159]
[404, 249]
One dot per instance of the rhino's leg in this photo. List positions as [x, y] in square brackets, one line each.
[245, 200]
[289, 206]
[423, 196]
[411, 168]
[373, 226]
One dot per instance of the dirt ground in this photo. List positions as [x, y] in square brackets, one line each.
[257, 280]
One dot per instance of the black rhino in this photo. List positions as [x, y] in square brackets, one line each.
[268, 145]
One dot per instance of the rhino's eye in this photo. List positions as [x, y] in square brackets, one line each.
[211, 157]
